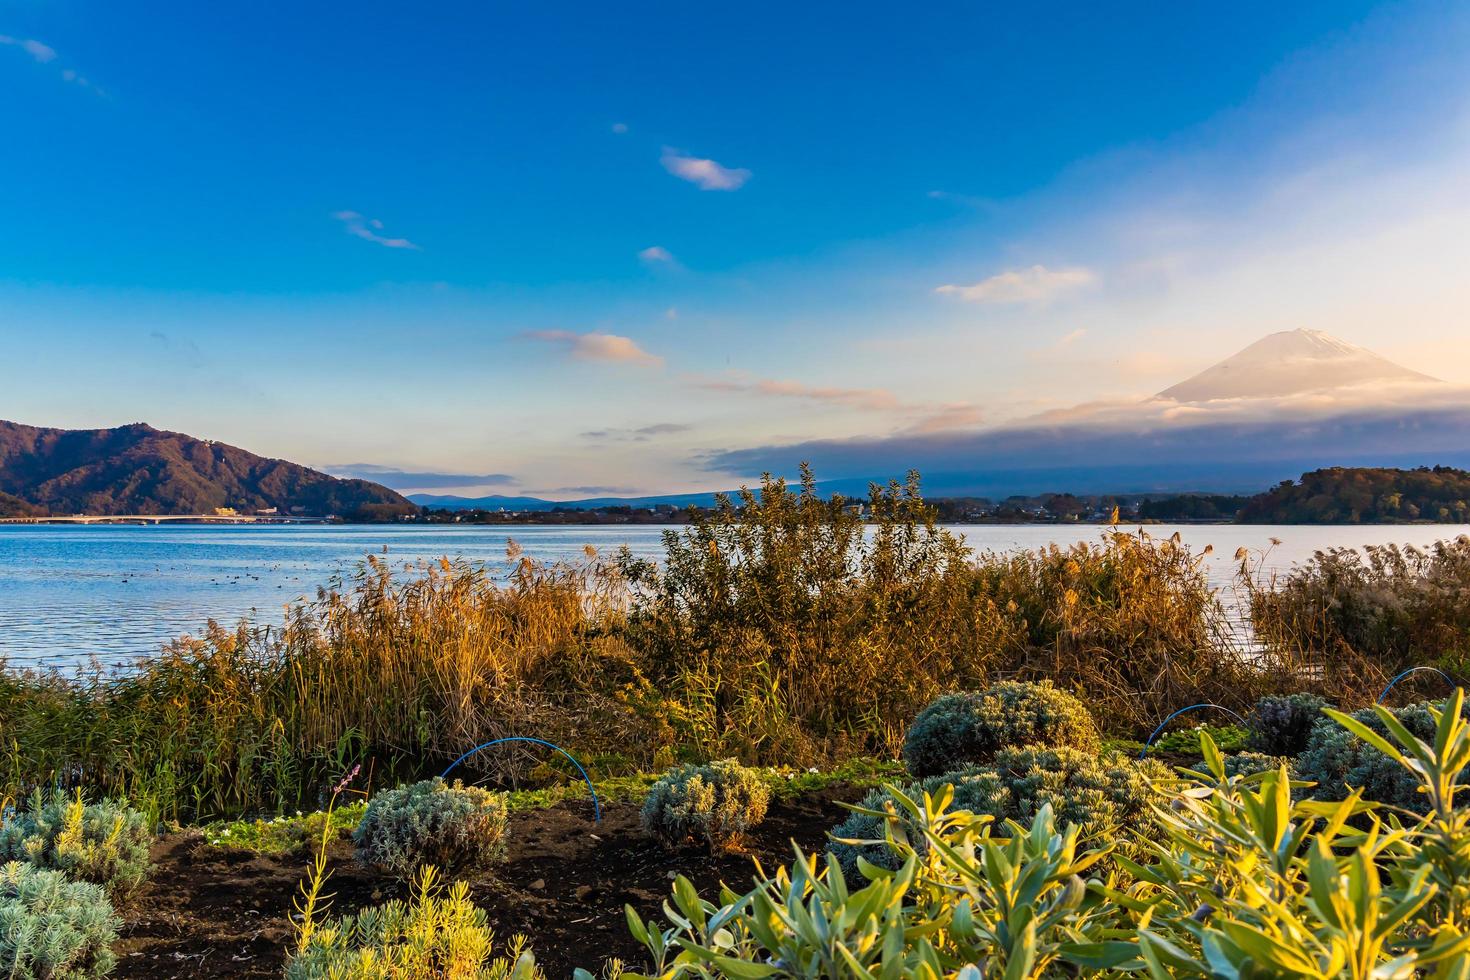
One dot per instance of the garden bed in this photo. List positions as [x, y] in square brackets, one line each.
[214, 912]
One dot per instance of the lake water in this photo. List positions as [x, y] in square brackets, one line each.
[114, 592]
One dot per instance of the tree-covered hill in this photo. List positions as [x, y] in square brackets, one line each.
[137, 469]
[1342, 495]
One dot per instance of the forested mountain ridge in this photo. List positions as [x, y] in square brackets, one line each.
[137, 469]
[1362, 495]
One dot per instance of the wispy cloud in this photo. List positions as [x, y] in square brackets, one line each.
[875, 399]
[397, 479]
[369, 230]
[1036, 284]
[959, 415]
[642, 434]
[619, 128]
[596, 346]
[41, 53]
[706, 174]
[658, 255]
[45, 54]
[595, 491]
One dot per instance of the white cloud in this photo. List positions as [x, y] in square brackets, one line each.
[876, 399]
[596, 346]
[655, 254]
[1037, 284]
[707, 174]
[368, 229]
[959, 415]
[620, 128]
[42, 53]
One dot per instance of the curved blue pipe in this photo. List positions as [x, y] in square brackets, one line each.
[596, 804]
[1164, 724]
[1406, 673]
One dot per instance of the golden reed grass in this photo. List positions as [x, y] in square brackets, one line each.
[783, 628]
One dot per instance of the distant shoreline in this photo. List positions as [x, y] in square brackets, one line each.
[546, 519]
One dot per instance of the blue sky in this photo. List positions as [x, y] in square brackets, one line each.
[596, 246]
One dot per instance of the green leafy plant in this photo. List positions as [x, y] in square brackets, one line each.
[714, 804]
[1281, 724]
[450, 826]
[966, 728]
[1247, 882]
[972, 904]
[1250, 763]
[1102, 797]
[53, 927]
[104, 843]
[436, 935]
[1230, 738]
[1238, 878]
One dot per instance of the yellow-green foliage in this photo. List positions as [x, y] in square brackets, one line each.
[1104, 797]
[1238, 879]
[53, 928]
[714, 804]
[432, 822]
[437, 935]
[105, 843]
[970, 727]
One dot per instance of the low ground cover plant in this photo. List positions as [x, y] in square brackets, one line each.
[1103, 797]
[437, 934]
[52, 926]
[970, 727]
[104, 843]
[448, 825]
[713, 804]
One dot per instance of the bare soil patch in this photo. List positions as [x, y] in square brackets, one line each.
[212, 913]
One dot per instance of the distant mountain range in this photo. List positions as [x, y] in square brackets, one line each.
[137, 469]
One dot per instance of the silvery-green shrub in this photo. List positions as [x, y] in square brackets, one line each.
[1281, 724]
[104, 843]
[970, 727]
[1338, 761]
[450, 826]
[52, 926]
[714, 804]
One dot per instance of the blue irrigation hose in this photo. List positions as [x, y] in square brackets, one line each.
[1406, 673]
[1164, 724]
[596, 805]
